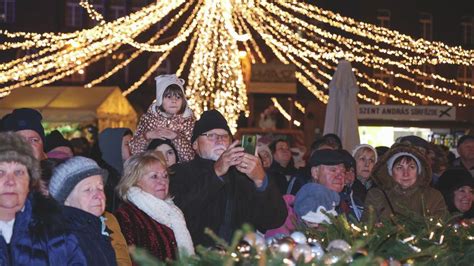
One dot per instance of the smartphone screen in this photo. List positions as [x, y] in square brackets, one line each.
[249, 143]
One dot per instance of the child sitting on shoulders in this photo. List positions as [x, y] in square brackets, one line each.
[169, 117]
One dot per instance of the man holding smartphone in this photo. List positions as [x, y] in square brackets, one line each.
[223, 187]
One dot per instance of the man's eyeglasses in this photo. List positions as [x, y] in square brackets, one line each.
[214, 136]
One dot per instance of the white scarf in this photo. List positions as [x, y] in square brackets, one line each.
[164, 212]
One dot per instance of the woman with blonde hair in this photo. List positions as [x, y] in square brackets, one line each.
[365, 157]
[148, 217]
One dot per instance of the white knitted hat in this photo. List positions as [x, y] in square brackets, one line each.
[360, 146]
[68, 174]
[394, 157]
[162, 82]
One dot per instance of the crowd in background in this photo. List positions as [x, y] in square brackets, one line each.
[158, 188]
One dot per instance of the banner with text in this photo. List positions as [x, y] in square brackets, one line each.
[272, 78]
[404, 112]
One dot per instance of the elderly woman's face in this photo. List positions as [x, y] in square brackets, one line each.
[405, 173]
[463, 198]
[155, 181]
[365, 161]
[14, 182]
[88, 195]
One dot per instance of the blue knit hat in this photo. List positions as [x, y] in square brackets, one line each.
[68, 174]
[311, 196]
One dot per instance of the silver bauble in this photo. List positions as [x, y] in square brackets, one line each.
[335, 256]
[317, 251]
[302, 250]
[284, 246]
[256, 240]
[339, 244]
[299, 237]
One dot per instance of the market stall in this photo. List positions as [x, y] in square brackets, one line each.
[101, 106]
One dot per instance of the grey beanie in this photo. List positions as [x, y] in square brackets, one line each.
[394, 157]
[68, 174]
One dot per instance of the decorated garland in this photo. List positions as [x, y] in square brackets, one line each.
[410, 240]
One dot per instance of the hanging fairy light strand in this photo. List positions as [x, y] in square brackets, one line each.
[303, 51]
[211, 31]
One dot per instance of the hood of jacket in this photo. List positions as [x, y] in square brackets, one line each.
[382, 178]
[110, 145]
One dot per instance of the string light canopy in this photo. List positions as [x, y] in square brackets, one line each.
[311, 38]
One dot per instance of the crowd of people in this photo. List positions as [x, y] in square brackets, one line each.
[161, 187]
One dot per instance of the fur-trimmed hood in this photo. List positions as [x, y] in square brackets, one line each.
[382, 178]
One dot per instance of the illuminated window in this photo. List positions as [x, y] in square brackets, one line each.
[467, 27]
[383, 18]
[73, 14]
[7, 11]
[466, 75]
[137, 5]
[426, 23]
[117, 9]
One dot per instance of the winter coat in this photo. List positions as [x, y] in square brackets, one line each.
[181, 124]
[141, 230]
[223, 203]
[279, 175]
[420, 198]
[92, 235]
[119, 243]
[41, 237]
[359, 189]
[290, 222]
[350, 205]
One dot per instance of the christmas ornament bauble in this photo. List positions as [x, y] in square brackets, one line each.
[270, 241]
[393, 262]
[302, 250]
[299, 237]
[317, 251]
[339, 244]
[336, 256]
[244, 248]
[284, 246]
[256, 240]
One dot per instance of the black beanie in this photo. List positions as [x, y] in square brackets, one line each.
[24, 118]
[454, 178]
[158, 142]
[55, 139]
[209, 120]
[451, 180]
[326, 157]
